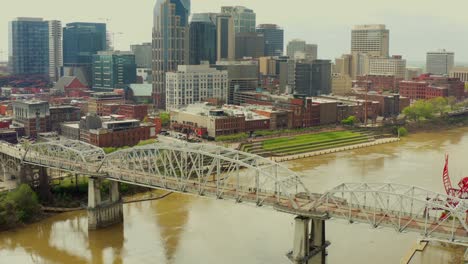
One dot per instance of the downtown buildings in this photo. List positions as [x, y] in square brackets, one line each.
[274, 39]
[29, 46]
[195, 83]
[440, 62]
[170, 43]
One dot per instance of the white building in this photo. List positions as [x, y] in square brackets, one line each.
[195, 83]
[440, 62]
[461, 73]
[55, 49]
[394, 66]
[370, 39]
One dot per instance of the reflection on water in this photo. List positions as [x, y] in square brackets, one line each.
[184, 229]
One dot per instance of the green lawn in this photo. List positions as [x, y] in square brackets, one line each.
[313, 142]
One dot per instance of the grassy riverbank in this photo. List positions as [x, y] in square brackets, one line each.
[304, 143]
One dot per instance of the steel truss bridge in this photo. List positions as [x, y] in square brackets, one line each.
[221, 173]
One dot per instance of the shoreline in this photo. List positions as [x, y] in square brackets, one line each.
[334, 150]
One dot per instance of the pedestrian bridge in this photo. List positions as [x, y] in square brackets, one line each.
[222, 173]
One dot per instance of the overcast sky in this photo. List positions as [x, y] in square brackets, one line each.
[416, 26]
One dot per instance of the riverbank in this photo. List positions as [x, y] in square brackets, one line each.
[335, 150]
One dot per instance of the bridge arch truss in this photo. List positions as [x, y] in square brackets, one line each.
[405, 208]
[68, 155]
[206, 170]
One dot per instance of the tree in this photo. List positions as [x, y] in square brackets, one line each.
[439, 104]
[421, 109]
[25, 202]
[165, 118]
[350, 121]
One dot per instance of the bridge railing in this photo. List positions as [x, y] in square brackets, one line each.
[398, 206]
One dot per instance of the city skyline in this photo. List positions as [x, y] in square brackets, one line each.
[330, 28]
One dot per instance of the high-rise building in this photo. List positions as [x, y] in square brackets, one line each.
[250, 45]
[143, 53]
[244, 18]
[412, 72]
[195, 83]
[370, 39]
[243, 76]
[55, 49]
[440, 62]
[313, 78]
[29, 46]
[225, 37]
[203, 38]
[394, 66]
[299, 49]
[170, 43]
[274, 39]
[81, 41]
[295, 45]
[113, 69]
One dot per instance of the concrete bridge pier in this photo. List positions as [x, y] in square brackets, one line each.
[310, 246]
[101, 213]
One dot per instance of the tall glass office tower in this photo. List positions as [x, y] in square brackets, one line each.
[170, 43]
[29, 46]
[81, 41]
[274, 39]
[203, 38]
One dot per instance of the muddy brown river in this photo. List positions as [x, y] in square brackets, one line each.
[185, 229]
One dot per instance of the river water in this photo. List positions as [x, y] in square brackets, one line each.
[185, 229]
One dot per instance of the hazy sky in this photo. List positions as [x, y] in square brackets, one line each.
[416, 26]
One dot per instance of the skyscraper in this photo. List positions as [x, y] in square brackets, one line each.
[370, 39]
[313, 78]
[250, 44]
[143, 53]
[203, 38]
[225, 37]
[299, 49]
[81, 41]
[244, 18]
[170, 43]
[274, 39]
[55, 49]
[113, 69]
[440, 62]
[29, 46]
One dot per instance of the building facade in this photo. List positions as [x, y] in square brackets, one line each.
[460, 73]
[440, 62]
[195, 83]
[244, 18]
[370, 39]
[242, 76]
[113, 69]
[250, 45]
[81, 41]
[143, 54]
[274, 39]
[203, 39]
[33, 116]
[97, 101]
[55, 50]
[225, 37]
[313, 78]
[393, 66]
[298, 49]
[170, 43]
[29, 46]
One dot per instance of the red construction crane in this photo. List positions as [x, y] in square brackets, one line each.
[462, 192]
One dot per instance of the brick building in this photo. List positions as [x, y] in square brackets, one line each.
[63, 113]
[379, 82]
[33, 116]
[98, 100]
[429, 86]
